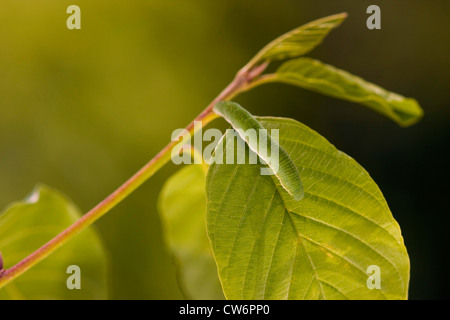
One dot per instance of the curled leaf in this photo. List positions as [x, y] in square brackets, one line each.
[328, 80]
[298, 41]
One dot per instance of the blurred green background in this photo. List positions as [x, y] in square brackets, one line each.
[82, 110]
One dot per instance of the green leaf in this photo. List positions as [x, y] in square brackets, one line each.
[298, 41]
[317, 76]
[242, 121]
[270, 246]
[182, 207]
[27, 225]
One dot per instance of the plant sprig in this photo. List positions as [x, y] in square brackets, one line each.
[302, 72]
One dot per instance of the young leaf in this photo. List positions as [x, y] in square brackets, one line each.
[317, 76]
[182, 207]
[241, 120]
[27, 225]
[270, 246]
[298, 41]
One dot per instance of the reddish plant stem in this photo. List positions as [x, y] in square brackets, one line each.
[240, 83]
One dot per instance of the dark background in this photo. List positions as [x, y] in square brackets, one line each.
[82, 110]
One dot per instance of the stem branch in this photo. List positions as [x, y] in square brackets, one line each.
[240, 83]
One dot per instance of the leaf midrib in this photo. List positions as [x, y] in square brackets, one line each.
[300, 242]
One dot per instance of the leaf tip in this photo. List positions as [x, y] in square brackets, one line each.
[338, 16]
[408, 113]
